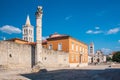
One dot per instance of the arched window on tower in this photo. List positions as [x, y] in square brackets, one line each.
[26, 31]
[23, 31]
[23, 38]
[29, 32]
[29, 39]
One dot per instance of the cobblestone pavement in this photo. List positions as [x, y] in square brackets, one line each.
[98, 72]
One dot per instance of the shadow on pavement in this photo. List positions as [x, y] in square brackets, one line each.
[75, 74]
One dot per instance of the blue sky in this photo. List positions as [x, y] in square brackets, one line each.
[89, 21]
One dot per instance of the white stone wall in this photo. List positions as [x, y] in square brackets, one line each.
[16, 55]
[52, 58]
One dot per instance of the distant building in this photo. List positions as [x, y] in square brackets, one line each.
[91, 49]
[78, 51]
[99, 57]
[28, 31]
[90, 59]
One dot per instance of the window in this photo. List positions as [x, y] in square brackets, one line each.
[29, 31]
[24, 31]
[59, 46]
[26, 39]
[80, 48]
[72, 58]
[72, 46]
[50, 46]
[29, 39]
[83, 50]
[10, 55]
[76, 47]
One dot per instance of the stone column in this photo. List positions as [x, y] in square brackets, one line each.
[38, 34]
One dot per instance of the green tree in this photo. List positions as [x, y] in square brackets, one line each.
[116, 57]
[109, 59]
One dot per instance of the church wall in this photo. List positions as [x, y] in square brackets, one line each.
[16, 55]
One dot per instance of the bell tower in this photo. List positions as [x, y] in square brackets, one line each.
[28, 31]
[91, 49]
[38, 14]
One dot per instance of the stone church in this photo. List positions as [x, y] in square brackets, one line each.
[97, 57]
[25, 53]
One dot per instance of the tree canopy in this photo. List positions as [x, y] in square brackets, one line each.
[116, 57]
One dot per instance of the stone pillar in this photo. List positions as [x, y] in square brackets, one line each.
[38, 34]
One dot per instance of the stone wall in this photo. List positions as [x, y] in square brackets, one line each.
[16, 55]
[51, 58]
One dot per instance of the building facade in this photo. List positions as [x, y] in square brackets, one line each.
[78, 51]
[99, 57]
[28, 31]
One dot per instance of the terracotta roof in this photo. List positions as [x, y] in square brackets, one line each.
[57, 36]
[13, 39]
[29, 43]
[44, 42]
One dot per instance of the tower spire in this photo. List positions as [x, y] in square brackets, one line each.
[28, 21]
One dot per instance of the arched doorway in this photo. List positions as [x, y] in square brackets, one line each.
[98, 60]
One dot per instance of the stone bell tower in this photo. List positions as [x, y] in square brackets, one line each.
[39, 34]
[28, 31]
[91, 49]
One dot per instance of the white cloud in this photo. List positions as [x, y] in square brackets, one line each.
[113, 31]
[68, 17]
[97, 32]
[106, 50]
[119, 41]
[117, 47]
[10, 29]
[93, 32]
[45, 37]
[89, 32]
[97, 27]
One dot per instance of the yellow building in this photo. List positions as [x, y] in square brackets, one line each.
[78, 51]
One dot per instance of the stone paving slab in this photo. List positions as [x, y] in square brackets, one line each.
[98, 72]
